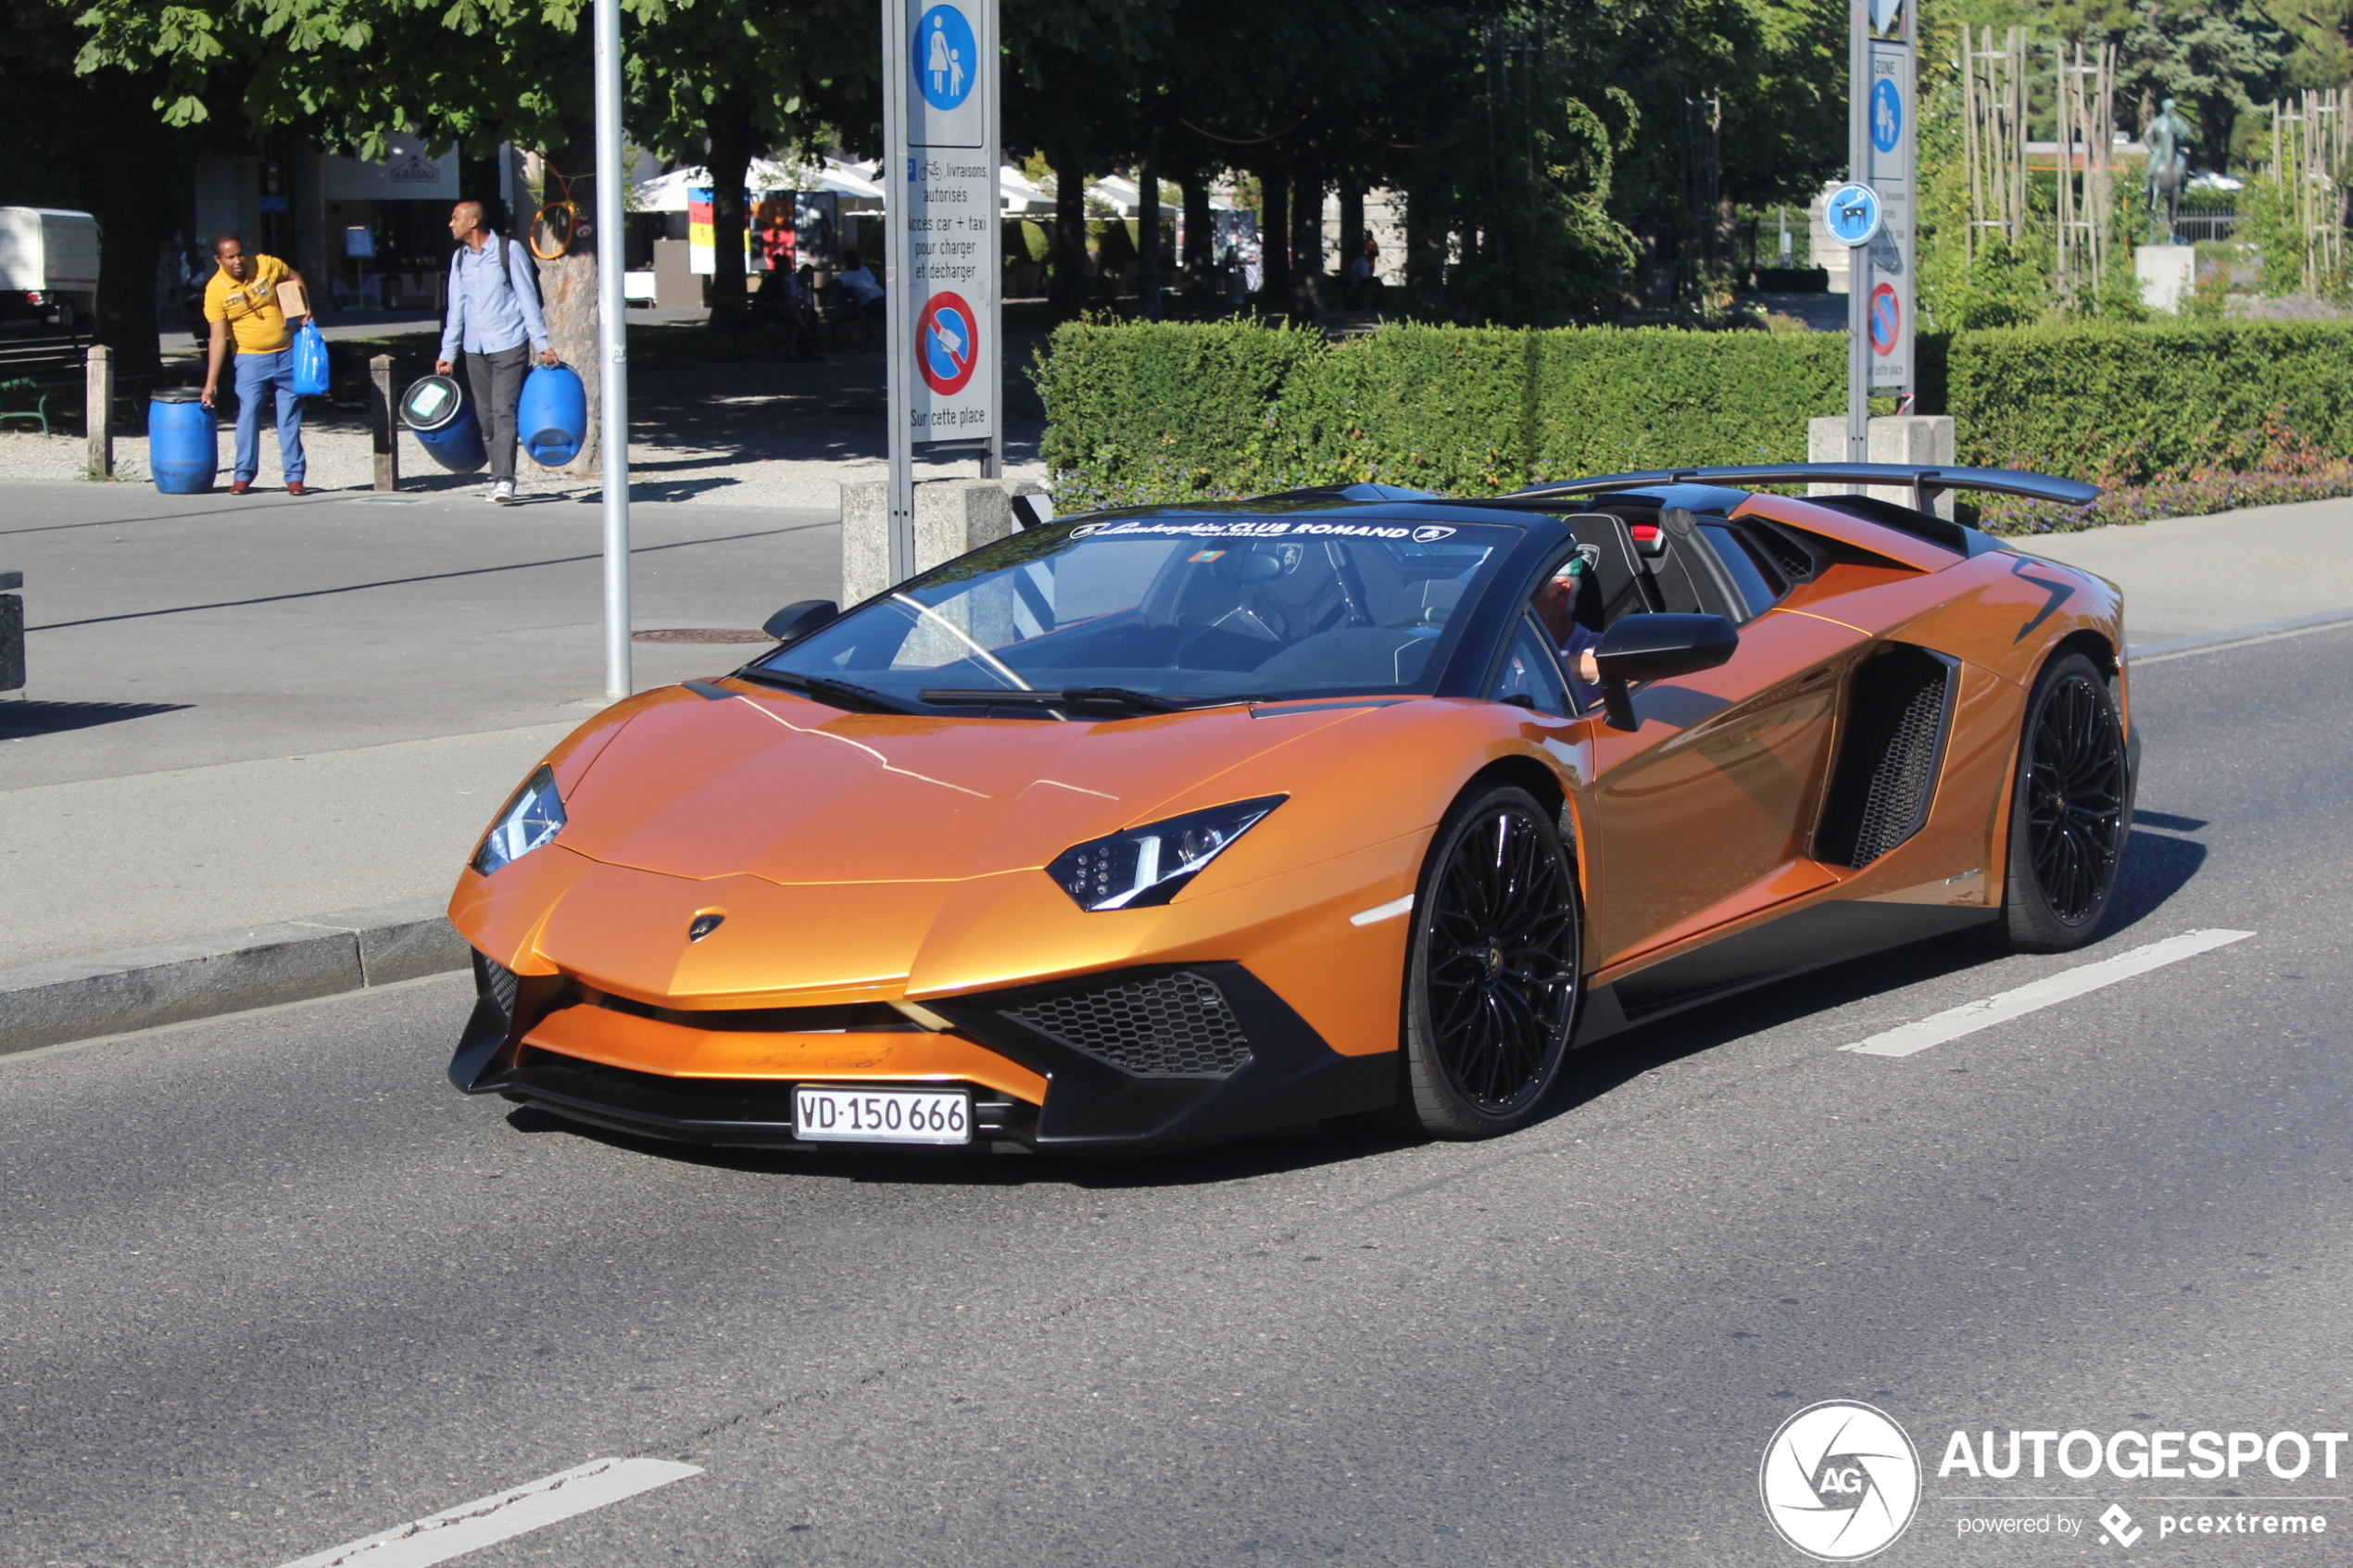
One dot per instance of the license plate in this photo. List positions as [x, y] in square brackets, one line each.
[883, 1115]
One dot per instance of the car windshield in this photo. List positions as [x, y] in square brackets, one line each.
[1188, 609]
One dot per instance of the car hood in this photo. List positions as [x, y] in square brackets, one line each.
[796, 793]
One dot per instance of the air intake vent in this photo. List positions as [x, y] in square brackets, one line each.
[1889, 755]
[1175, 1025]
[496, 982]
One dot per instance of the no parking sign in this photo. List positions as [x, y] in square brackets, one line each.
[947, 343]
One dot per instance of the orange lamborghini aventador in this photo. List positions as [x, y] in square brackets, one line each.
[1149, 828]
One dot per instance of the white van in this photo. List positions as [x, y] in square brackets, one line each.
[49, 262]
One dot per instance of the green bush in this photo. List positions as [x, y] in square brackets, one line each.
[1173, 412]
[2125, 404]
[1165, 412]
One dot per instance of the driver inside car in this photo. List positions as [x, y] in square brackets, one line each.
[1555, 606]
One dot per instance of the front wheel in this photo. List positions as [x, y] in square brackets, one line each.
[1491, 975]
[2071, 808]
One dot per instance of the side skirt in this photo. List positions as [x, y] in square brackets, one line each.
[1810, 939]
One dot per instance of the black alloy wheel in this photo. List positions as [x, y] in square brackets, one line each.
[1493, 971]
[2071, 811]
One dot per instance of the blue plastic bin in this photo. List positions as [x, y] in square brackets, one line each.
[437, 410]
[553, 415]
[183, 445]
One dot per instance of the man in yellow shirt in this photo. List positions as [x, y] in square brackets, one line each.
[242, 300]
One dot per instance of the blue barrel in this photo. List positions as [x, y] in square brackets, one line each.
[184, 448]
[553, 415]
[435, 408]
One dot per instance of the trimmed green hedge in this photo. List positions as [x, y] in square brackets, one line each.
[1140, 412]
[2123, 403]
[1168, 412]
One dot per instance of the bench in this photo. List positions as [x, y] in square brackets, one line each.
[39, 363]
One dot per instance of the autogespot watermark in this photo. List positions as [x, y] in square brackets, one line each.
[1842, 1481]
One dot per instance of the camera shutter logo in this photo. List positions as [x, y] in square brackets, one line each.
[1840, 1480]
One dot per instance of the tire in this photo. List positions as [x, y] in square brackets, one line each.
[1491, 975]
[2071, 808]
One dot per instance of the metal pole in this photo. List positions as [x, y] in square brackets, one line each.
[898, 277]
[613, 349]
[1858, 261]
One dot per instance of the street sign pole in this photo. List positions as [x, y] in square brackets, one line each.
[897, 81]
[612, 347]
[1859, 268]
[943, 261]
[1882, 116]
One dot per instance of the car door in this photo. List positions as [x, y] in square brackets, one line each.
[1704, 810]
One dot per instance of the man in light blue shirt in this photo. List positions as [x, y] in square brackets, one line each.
[494, 305]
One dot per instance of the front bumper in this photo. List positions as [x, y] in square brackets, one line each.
[1139, 1059]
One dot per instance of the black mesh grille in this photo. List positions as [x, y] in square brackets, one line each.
[497, 982]
[1164, 1027]
[1899, 784]
[1887, 762]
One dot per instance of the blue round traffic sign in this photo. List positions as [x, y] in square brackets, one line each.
[947, 61]
[947, 343]
[1852, 211]
[1887, 115]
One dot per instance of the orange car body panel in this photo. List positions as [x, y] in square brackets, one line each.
[791, 819]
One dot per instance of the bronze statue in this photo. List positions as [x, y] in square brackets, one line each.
[2169, 139]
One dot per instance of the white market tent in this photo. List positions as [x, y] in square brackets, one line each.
[667, 193]
[1020, 196]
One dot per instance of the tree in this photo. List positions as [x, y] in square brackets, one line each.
[90, 141]
[721, 81]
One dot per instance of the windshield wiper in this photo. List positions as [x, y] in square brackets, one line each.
[825, 686]
[1065, 696]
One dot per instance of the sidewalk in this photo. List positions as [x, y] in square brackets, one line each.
[247, 712]
[751, 432]
[255, 710]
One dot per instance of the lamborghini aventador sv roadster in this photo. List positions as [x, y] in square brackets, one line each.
[1144, 829]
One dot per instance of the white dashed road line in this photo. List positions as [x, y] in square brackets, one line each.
[486, 1520]
[1968, 1018]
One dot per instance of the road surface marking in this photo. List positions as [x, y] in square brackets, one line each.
[488, 1521]
[2238, 636]
[1970, 1017]
[1380, 913]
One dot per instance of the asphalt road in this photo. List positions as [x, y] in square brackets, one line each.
[268, 1285]
[176, 632]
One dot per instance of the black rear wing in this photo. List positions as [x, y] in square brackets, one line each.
[1926, 483]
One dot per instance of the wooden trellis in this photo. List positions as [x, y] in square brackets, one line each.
[2086, 164]
[1994, 134]
[2311, 157]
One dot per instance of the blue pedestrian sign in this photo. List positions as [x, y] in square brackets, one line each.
[1887, 115]
[1852, 214]
[946, 60]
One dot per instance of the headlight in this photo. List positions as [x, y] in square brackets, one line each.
[531, 818]
[1148, 864]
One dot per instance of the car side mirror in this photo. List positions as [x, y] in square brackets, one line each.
[796, 621]
[1651, 647]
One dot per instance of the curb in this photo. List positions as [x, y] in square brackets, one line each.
[51, 1003]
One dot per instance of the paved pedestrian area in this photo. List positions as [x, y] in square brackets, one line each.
[756, 433]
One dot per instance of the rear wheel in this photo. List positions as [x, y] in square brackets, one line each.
[2069, 810]
[1491, 977]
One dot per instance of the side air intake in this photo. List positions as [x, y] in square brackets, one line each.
[1898, 710]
